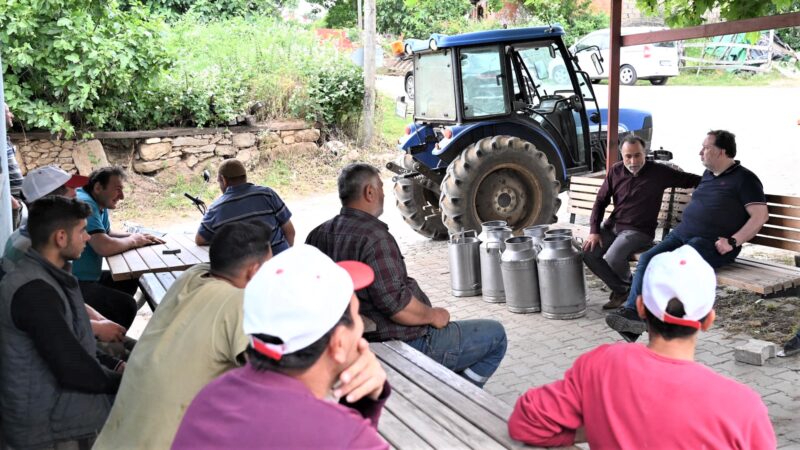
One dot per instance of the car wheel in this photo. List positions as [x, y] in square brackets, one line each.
[409, 85]
[499, 178]
[418, 206]
[627, 75]
[660, 81]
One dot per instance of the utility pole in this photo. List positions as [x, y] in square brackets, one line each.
[369, 73]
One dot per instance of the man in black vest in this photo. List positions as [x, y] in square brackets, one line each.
[55, 388]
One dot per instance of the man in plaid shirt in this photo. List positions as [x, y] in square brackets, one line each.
[394, 301]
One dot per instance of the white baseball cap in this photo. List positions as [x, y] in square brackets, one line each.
[298, 296]
[681, 274]
[46, 179]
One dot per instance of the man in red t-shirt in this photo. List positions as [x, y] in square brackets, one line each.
[627, 395]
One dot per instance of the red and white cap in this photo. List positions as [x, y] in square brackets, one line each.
[681, 274]
[298, 296]
[46, 179]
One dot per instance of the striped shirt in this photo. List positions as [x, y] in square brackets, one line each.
[14, 174]
[248, 202]
[357, 235]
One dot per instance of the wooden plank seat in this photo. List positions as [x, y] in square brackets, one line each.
[782, 231]
[156, 285]
[432, 407]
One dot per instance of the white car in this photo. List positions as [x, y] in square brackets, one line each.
[652, 62]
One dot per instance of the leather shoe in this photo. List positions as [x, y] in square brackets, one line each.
[615, 300]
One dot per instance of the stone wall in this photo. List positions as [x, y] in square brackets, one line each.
[152, 155]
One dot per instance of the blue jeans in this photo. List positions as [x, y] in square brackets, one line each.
[705, 247]
[470, 348]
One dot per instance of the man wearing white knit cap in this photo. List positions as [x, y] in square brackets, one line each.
[311, 380]
[631, 396]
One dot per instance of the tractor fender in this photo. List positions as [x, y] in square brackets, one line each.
[422, 140]
[629, 119]
[466, 135]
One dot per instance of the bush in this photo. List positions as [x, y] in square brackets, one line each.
[72, 65]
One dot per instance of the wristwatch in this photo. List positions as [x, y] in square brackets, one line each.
[732, 242]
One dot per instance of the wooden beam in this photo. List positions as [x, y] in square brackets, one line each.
[714, 29]
[282, 125]
[612, 135]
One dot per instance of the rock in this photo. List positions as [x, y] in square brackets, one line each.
[200, 149]
[225, 150]
[289, 139]
[68, 145]
[246, 155]
[88, 156]
[192, 161]
[310, 135]
[352, 155]
[300, 148]
[166, 139]
[175, 153]
[270, 139]
[189, 140]
[204, 156]
[215, 139]
[151, 152]
[153, 166]
[32, 154]
[243, 140]
[154, 140]
[64, 160]
[335, 147]
[45, 145]
[224, 141]
[68, 167]
[754, 352]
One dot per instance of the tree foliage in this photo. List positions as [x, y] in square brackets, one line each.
[215, 9]
[683, 13]
[73, 63]
[574, 15]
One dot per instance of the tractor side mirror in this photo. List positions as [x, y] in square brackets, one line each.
[598, 63]
[552, 52]
[400, 107]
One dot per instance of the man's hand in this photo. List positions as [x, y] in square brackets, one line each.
[441, 317]
[365, 377]
[15, 203]
[140, 240]
[723, 246]
[120, 368]
[108, 331]
[591, 242]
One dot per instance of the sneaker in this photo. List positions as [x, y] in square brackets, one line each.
[629, 337]
[791, 347]
[626, 320]
[615, 300]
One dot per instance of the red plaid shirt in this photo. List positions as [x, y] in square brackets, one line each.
[356, 235]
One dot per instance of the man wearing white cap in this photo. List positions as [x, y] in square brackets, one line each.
[311, 380]
[628, 396]
[42, 182]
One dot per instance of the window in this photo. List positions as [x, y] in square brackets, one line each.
[483, 82]
[434, 96]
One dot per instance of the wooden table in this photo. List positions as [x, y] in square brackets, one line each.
[133, 263]
[432, 407]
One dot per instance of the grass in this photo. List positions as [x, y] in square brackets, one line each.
[391, 126]
[173, 198]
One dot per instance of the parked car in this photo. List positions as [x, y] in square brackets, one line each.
[652, 62]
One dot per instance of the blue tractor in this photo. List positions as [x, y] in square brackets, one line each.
[502, 119]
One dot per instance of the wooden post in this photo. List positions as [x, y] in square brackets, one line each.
[359, 19]
[613, 85]
[368, 122]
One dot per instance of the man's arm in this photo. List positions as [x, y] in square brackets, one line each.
[104, 329]
[200, 240]
[759, 215]
[682, 179]
[601, 202]
[37, 310]
[417, 313]
[107, 245]
[288, 231]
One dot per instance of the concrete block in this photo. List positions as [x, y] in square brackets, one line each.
[754, 352]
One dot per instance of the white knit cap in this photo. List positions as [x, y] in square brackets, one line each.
[681, 274]
[298, 296]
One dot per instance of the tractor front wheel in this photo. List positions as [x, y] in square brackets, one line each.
[418, 206]
[499, 178]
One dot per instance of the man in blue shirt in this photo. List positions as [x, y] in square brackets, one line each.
[727, 209]
[245, 201]
[102, 192]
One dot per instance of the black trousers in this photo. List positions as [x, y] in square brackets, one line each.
[112, 299]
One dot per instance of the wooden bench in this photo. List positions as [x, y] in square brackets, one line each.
[432, 407]
[782, 231]
[156, 285]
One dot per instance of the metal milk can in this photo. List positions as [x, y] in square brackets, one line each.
[491, 276]
[561, 282]
[489, 224]
[520, 280]
[536, 232]
[465, 265]
[558, 232]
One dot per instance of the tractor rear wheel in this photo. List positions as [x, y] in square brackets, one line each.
[418, 206]
[499, 178]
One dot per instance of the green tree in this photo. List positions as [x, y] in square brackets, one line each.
[71, 64]
[683, 13]
[574, 15]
